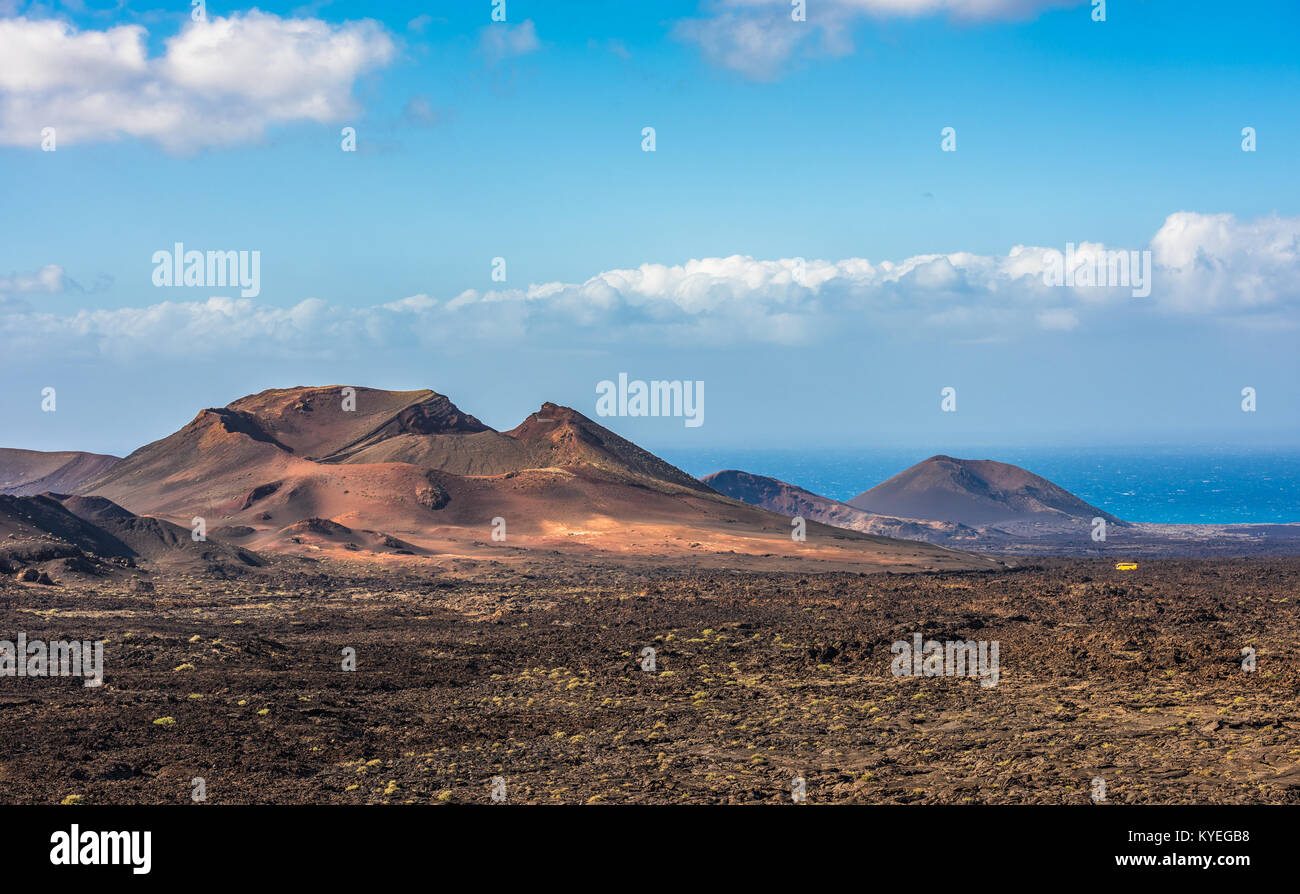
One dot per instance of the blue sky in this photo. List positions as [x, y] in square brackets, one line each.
[522, 140]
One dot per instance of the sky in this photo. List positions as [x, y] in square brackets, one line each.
[807, 239]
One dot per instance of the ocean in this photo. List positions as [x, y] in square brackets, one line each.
[1162, 485]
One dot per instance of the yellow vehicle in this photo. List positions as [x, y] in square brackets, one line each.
[1125, 566]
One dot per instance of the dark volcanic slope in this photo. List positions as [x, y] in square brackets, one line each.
[24, 473]
[790, 499]
[26, 520]
[91, 509]
[974, 492]
[771, 493]
[40, 529]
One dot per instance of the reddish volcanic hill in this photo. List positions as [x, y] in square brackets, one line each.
[409, 474]
[975, 492]
[556, 436]
[314, 424]
[24, 473]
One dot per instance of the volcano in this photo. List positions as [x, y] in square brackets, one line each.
[360, 472]
[976, 492]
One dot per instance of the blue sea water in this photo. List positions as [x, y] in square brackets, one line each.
[1164, 485]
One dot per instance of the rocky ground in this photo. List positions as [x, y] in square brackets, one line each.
[532, 673]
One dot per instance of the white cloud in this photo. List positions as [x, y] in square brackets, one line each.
[48, 279]
[1212, 268]
[218, 82]
[756, 46]
[1213, 262]
[502, 41]
[758, 38]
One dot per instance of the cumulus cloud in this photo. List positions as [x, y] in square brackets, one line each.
[1213, 262]
[758, 38]
[218, 82]
[1209, 268]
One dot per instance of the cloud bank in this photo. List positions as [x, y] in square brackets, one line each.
[1209, 270]
[218, 82]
